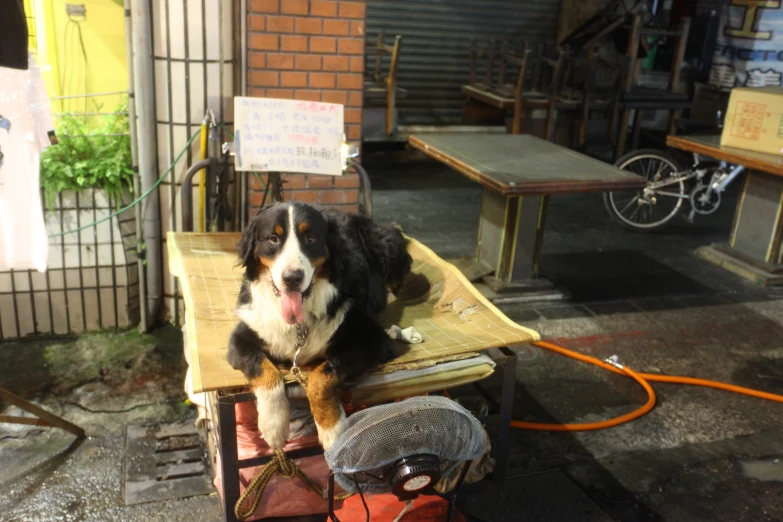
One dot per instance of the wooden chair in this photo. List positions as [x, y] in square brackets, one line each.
[543, 90]
[384, 87]
[485, 104]
[603, 88]
[638, 98]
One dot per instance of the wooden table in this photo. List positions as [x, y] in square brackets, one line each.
[518, 173]
[755, 246]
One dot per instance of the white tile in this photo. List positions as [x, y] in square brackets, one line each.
[21, 281]
[89, 278]
[7, 320]
[119, 254]
[88, 256]
[178, 88]
[55, 256]
[85, 198]
[131, 273]
[197, 85]
[161, 94]
[75, 311]
[42, 312]
[5, 282]
[72, 256]
[104, 231]
[91, 310]
[72, 280]
[24, 311]
[122, 307]
[59, 312]
[55, 279]
[102, 199]
[158, 13]
[68, 199]
[105, 276]
[176, 20]
[39, 280]
[107, 307]
[195, 23]
[86, 218]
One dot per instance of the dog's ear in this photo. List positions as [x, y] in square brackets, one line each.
[247, 248]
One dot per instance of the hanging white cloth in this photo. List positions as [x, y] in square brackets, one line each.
[25, 127]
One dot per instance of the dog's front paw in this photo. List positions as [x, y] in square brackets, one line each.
[275, 434]
[328, 436]
[274, 414]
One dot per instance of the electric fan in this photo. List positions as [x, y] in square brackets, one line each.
[405, 447]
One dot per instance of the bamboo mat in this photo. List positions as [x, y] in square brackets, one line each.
[454, 319]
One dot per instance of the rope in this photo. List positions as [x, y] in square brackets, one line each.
[282, 465]
[137, 200]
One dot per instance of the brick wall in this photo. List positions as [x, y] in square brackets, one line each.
[309, 50]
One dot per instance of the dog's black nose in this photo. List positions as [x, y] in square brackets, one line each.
[293, 278]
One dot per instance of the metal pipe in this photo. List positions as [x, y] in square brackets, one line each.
[242, 176]
[144, 88]
[186, 191]
[97, 93]
[135, 166]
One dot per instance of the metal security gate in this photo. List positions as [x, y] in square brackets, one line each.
[436, 35]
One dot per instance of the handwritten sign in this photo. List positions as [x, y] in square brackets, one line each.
[288, 135]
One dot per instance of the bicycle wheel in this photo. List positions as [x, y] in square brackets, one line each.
[649, 208]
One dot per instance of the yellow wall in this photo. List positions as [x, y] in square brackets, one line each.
[66, 71]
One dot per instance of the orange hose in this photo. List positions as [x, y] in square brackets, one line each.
[642, 379]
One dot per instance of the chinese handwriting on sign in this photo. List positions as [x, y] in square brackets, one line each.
[288, 135]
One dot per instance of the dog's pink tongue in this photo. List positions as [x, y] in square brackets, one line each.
[291, 306]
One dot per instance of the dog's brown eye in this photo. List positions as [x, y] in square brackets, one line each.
[310, 240]
[273, 239]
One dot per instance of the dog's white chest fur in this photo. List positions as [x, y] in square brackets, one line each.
[263, 315]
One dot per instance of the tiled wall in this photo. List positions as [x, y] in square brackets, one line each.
[309, 50]
[92, 277]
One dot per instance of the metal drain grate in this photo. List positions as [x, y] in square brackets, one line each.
[164, 462]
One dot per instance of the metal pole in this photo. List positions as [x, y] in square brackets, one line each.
[145, 101]
[135, 165]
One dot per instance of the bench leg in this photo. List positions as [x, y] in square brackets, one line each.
[229, 457]
[503, 444]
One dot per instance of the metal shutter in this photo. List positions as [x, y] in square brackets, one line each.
[436, 35]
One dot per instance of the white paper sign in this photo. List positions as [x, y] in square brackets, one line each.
[288, 135]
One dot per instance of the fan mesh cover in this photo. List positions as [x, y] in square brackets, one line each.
[379, 436]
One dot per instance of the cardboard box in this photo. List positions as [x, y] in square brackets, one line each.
[754, 120]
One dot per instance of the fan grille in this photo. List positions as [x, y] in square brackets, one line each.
[378, 436]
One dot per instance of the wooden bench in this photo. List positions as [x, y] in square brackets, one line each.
[518, 173]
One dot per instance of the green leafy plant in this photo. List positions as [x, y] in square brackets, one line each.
[89, 156]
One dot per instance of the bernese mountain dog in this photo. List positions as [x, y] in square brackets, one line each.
[314, 284]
